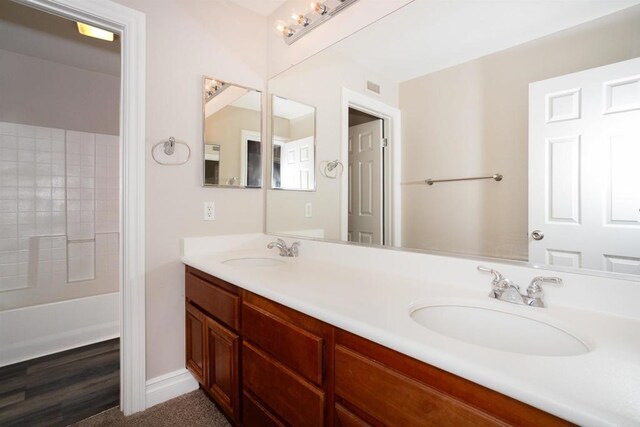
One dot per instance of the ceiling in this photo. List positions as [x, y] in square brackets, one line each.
[31, 32]
[290, 110]
[430, 35]
[261, 7]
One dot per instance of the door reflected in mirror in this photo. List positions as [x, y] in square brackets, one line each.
[293, 145]
[232, 139]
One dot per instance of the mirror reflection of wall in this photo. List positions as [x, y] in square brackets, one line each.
[232, 140]
[293, 145]
[467, 111]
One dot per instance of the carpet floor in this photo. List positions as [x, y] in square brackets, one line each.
[189, 410]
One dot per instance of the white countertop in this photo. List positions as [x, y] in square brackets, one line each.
[369, 291]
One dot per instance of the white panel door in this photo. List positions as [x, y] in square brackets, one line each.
[297, 164]
[365, 183]
[584, 169]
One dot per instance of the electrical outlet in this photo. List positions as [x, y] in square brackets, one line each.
[209, 211]
[308, 210]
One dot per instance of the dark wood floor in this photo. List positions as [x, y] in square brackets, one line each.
[62, 388]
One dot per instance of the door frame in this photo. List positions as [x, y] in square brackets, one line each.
[393, 132]
[245, 136]
[131, 25]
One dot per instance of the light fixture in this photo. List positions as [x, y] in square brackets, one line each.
[319, 13]
[212, 88]
[319, 7]
[95, 32]
[286, 31]
[301, 19]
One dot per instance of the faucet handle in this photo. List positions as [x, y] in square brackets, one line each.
[499, 283]
[497, 276]
[535, 287]
[293, 250]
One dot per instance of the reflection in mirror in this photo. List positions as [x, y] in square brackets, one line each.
[232, 141]
[520, 143]
[293, 145]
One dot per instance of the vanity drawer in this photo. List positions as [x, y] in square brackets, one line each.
[297, 348]
[216, 301]
[287, 394]
[255, 414]
[395, 399]
[346, 418]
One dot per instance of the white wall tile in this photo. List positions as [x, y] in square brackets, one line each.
[57, 183]
[8, 128]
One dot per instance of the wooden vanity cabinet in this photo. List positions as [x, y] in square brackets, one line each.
[375, 385]
[267, 365]
[284, 364]
[213, 340]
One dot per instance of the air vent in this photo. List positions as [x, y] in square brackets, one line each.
[373, 87]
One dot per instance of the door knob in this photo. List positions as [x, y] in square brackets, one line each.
[537, 235]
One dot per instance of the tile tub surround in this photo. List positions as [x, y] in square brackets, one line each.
[368, 291]
[58, 214]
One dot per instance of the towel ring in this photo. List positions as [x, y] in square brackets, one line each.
[169, 149]
[327, 167]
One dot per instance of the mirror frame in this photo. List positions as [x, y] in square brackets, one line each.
[262, 133]
[271, 146]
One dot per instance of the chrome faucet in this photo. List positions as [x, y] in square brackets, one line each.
[506, 290]
[288, 251]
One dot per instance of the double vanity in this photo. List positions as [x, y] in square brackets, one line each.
[348, 335]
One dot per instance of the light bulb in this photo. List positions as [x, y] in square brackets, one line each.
[319, 8]
[300, 19]
[286, 31]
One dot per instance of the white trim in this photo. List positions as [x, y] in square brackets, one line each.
[166, 387]
[393, 119]
[131, 25]
[245, 136]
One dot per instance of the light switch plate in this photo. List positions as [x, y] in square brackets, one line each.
[209, 211]
[308, 210]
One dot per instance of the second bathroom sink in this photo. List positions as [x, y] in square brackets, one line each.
[498, 330]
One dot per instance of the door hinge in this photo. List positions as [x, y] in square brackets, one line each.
[385, 142]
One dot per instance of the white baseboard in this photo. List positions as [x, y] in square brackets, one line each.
[30, 332]
[166, 387]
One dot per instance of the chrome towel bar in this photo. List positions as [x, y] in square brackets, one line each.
[496, 177]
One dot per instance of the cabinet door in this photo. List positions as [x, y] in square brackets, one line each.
[223, 367]
[195, 334]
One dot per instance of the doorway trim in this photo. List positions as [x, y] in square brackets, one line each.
[392, 122]
[131, 25]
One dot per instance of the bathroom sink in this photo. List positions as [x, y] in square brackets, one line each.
[253, 262]
[498, 330]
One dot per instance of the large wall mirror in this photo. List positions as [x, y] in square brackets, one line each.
[493, 129]
[232, 141]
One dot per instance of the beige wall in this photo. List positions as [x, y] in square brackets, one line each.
[472, 119]
[38, 92]
[302, 127]
[187, 39]
[224, 128]
[330, 72]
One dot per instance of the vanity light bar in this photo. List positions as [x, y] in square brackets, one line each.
[320, 12]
